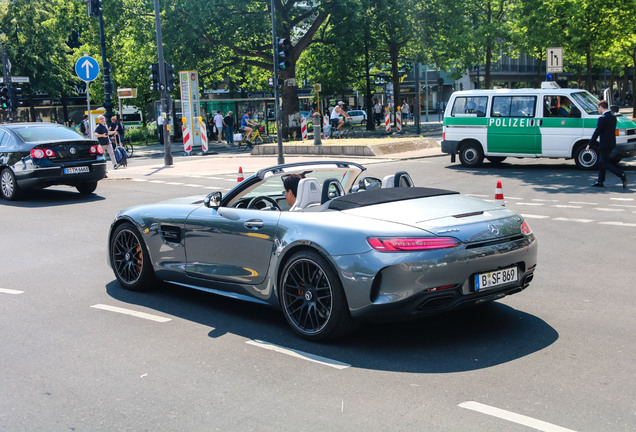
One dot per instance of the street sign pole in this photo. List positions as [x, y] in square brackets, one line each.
[6, 79]
[88, 109]
[87, 70]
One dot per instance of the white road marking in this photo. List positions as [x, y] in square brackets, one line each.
[622, 199]
[478, 196]
[608, 209]
[531, 216]
[10, 291]
[544, 200]
[132, 313]
[512, 198]
[566, 206]
[561, 219]
[513, 417]
[529, 204]
[174, 183]
[299, 354]
[623, 205]
[583, 202]
[193, 185]
[139, 180]
[624, 224]
[156, 181]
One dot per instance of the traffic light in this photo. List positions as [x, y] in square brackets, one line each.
[283, 53]
[94, 7]
[154, 77]
[169, 77]
[15, 95]
[4, 98]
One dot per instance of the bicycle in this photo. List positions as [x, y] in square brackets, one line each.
[257, 137]
[348, 131]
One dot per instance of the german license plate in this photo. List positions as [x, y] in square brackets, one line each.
[492, 279]
[76, 170]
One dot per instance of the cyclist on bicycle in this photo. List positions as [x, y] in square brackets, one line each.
[246, 122]
[335, 120]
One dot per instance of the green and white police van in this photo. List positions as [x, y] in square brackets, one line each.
[550, 122]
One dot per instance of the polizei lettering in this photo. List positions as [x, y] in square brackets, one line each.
[510, 122]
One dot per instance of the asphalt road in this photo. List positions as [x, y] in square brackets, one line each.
[80, 353]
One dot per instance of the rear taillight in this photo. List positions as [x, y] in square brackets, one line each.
[525, 228]
[97, 149]
[41, 153]
[411, 244]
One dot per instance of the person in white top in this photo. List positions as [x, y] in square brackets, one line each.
[405, 112]
[160, 121]
[218, 121]
[335, 120]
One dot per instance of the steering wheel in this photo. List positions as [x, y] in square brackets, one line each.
[257, 199]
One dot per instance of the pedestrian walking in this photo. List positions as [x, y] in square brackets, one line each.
[218, 121]
[102, 135]
[377, 112]
[160, 121]
[85, 127]
[406, 110]
[606, 133]
[228, 123]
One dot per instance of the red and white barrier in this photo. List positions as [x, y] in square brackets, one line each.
[398, 120]
[204, 138]
[187, 139]
[387, 120]
[303, 127]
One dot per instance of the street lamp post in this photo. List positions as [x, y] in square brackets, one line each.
[279, 133]
[108, 83]
[162, 88]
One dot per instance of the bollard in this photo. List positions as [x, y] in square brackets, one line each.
[316, 117]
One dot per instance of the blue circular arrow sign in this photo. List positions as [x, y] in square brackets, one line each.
[87, 68]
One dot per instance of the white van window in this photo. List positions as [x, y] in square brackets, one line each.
[588, 102]
[470, 106]
[513, 106]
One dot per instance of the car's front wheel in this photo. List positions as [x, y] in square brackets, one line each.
[312, 298]
[130, 260]
[9, 188]
[586, 159]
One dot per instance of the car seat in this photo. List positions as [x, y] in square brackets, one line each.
[308, 194]
[399, 179]
[331, 188]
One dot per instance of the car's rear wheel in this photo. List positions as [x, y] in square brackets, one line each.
[312, 298]
[87, 188]
[471, 155]
[496, 159]
[9, 186]
[130, 260]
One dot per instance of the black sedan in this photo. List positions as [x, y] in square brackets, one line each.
[38, 155]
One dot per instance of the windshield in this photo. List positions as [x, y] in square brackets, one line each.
[588, 102]
[47, 133]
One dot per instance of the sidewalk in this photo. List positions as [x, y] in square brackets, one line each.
[148, 162]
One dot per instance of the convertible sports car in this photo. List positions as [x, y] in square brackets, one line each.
[383, 251]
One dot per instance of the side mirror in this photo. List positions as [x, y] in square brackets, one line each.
[369, 183]
[213, 200]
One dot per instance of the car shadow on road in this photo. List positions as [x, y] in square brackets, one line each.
[562, 178]
[465, 340]
[51, 198]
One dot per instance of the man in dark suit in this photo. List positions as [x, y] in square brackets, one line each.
[606, 133]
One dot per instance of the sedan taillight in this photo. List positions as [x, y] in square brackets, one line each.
[37, 153]
[97, 149]
[411, 244]
[525, 228]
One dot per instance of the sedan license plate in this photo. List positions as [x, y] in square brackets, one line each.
[492, 279]
[76, 170]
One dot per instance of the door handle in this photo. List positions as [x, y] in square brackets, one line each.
[254, 224]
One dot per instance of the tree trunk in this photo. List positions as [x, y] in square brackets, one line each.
[291, 107]
[367, 97]
[588, 59]
[395, 72]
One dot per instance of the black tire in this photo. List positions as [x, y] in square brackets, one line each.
[471, 154]
[87, 188]
[496, 159]
[584, 159]
[312, 298]
[130, 260]
[9, 188]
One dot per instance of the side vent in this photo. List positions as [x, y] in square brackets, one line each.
[171, 234]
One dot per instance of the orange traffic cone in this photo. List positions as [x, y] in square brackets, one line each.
[499, 198]
[240, 175]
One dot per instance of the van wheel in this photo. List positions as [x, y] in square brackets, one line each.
[586, 159]
[496, 159]
[471, 155]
